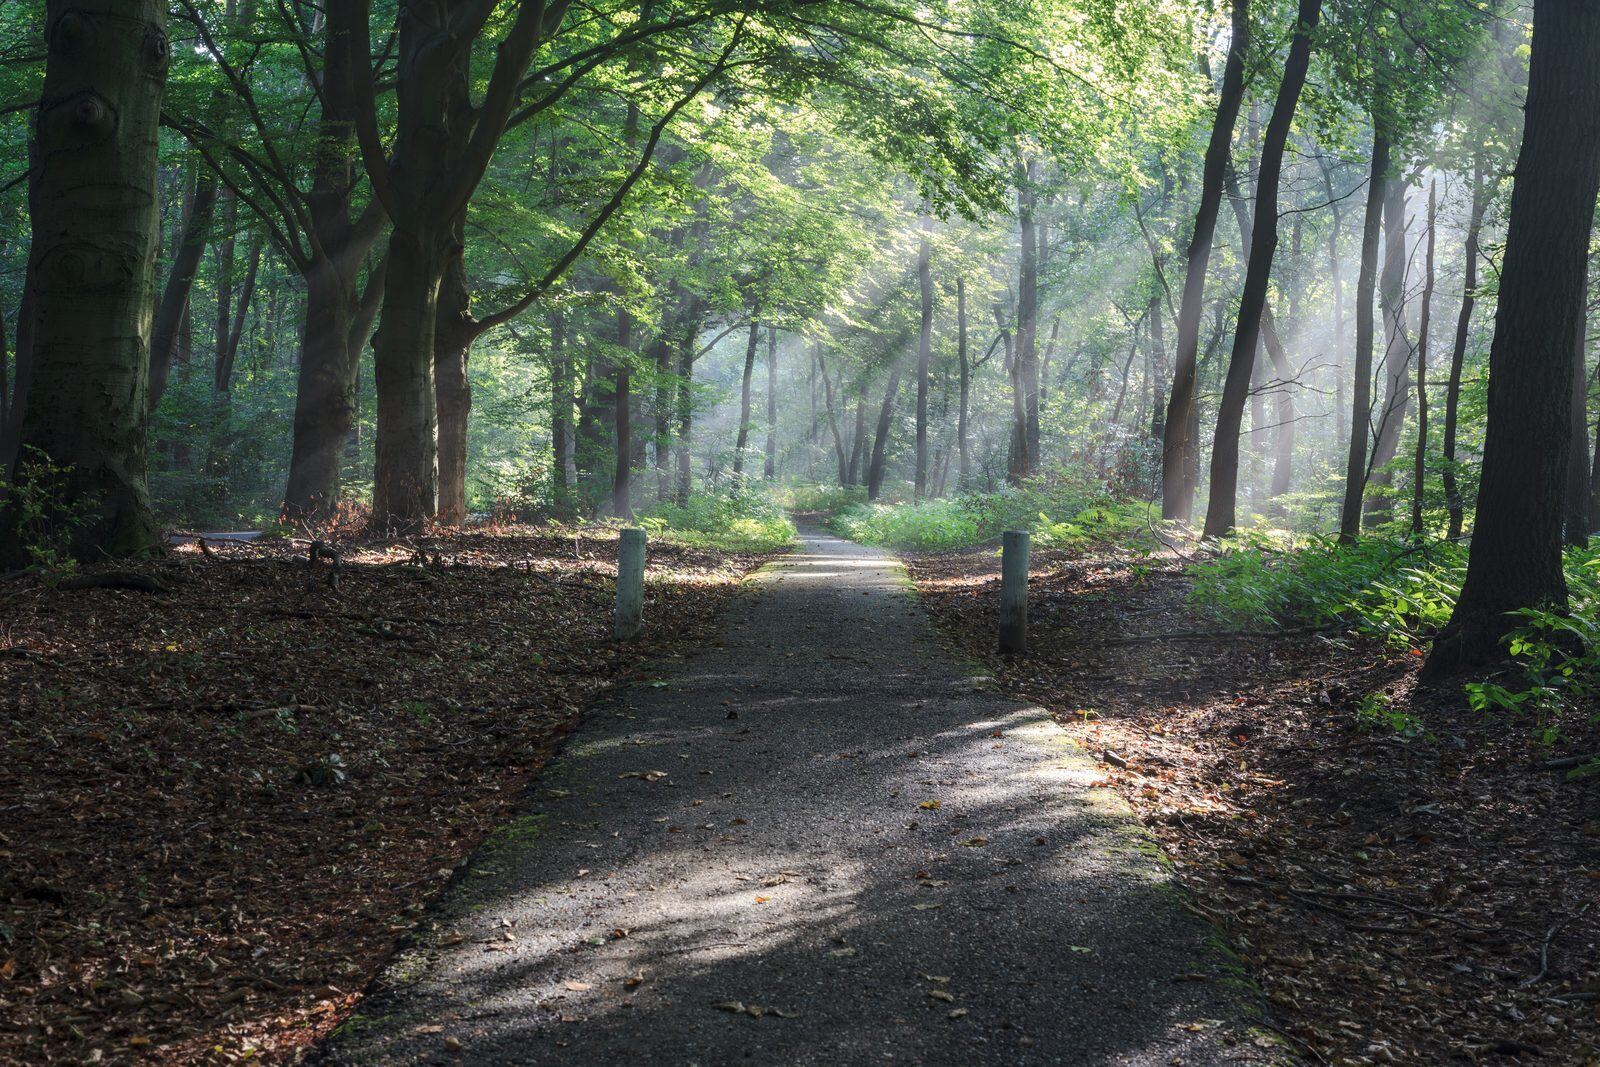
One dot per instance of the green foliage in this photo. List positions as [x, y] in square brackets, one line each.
[1060, 513]
[734, 522]
[1377, 712]
[820, 498]
[44, 523]
[1391, 589]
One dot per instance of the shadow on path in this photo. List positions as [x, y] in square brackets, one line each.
[826, 822]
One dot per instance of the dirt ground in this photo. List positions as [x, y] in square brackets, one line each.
[1398, 900]
[222, 802]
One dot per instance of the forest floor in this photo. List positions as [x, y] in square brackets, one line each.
[1399, 901]
[221, 804]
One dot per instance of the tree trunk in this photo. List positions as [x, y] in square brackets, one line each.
[1378, 508]
[924, 356]
[453, 333]
[769, 467]
[92, 203]
[563, 457]
[858, 438]
[1576, 510]
[1025, 361]
[622, 408]
[1419, 470]
[174, 305]
[325, 397]
[228, 345]
[1178, 448]
[685, 419]
[880, 440]
[1221, 510]
[833, 421]
[1355, 480]
[964, 471]
[743, 438]
[1515, 560]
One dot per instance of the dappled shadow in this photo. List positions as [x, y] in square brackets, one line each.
[818, 843]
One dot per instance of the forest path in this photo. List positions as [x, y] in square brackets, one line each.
[828, 821]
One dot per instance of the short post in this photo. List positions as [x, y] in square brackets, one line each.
[1014, 591]
[630, 584]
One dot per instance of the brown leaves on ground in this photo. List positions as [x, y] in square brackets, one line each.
[1398, 901]
[222, 805]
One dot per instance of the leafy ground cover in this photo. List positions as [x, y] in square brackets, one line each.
[221, 804]
[1409, 879]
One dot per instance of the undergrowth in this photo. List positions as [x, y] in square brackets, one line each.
[1402, 593]
[1057, 514]
[732, 522]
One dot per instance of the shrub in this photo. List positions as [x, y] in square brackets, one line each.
[741, 521]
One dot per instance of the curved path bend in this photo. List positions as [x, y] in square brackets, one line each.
[820, 841]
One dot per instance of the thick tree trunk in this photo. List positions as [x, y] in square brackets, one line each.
[880, 440]
[924, 356]
[1025, 365]
[858, 438]
[1355, 479]
[405, 483]
[1419, 467]
[325, 397]
[172, 311]
[769, 466]
[453, 334]
[1378, 508]
[92, 202]
[1179, 450]
[1221, 510]
[743, 438]
[622, 416]
[1575, 513]
[1515, 560]
[685, 420]
[563, 457]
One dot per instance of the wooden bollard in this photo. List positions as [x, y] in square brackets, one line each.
[1014, 591]
[630, 584]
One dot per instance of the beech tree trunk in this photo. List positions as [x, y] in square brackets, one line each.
[453, 333]
[880, 440]
[744, 399]
[964, 448]
[92, 201]
[1515, 560]
[622, 417]
[858, 438]
[769, 466]
[1378, 508]
[1221, 510]
[685, 419]
[172, 310]
[1355, 479]
[924, 355]
[1419, 469]
[1576, 512]
[833, 421]
[1179, 448]
[563, 454]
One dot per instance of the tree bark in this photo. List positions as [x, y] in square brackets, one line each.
[1179, 449]
[769, 467]
[859, 437]
[833, 421]
[1355, 480]
[743, 439]
[1575, 518]
[92, 202]
[173, 307]
[1221, 510]
[563, 455]
[1378, 508]
[963, 446]
[622, 417]
[228, 346]
[453, 333]
[1025, 360]
[880, 440]
[1419, 469]
[924, 356]
[1515, 560]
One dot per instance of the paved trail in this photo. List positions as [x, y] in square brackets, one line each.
[829, 822]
